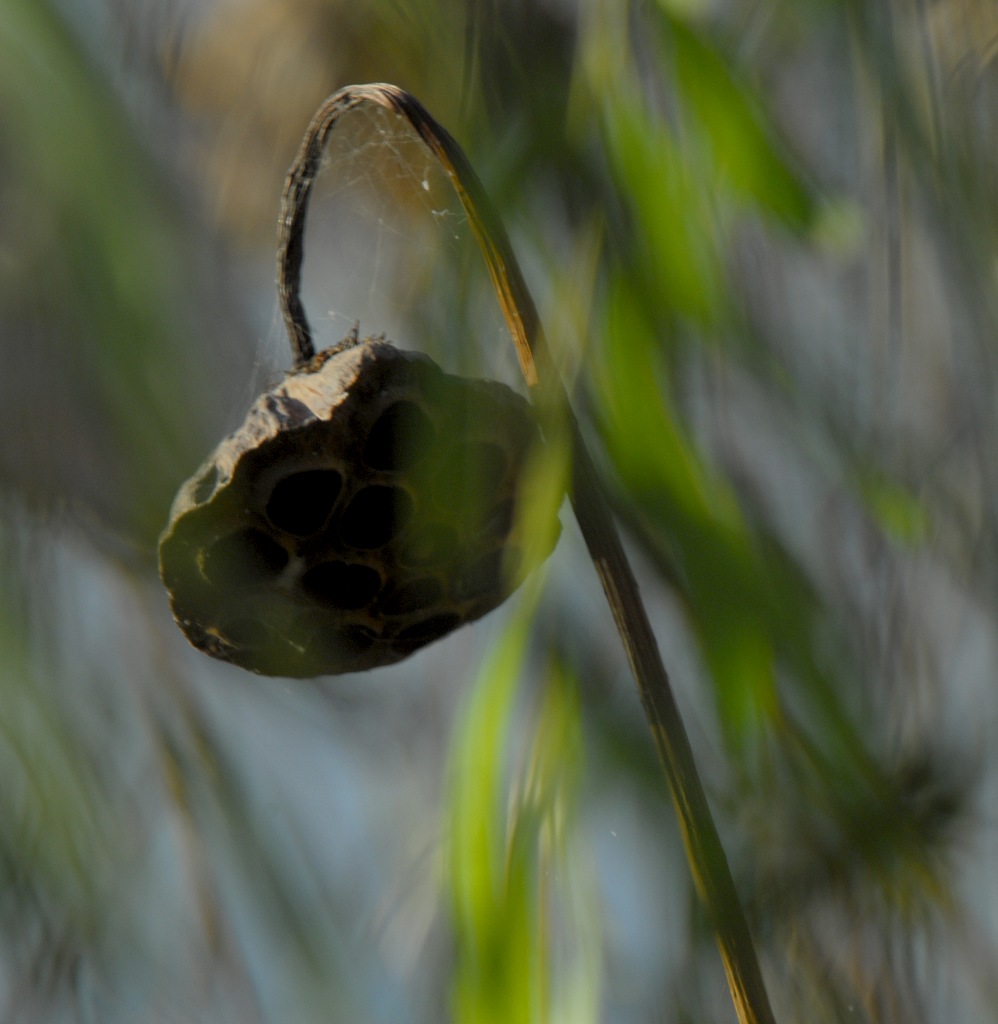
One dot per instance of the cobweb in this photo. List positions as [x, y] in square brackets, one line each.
[388, 247]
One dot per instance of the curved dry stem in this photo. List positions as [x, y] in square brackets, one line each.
[708, 863]
[517, 304]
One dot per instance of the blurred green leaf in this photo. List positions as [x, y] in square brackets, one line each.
[731, 120]
[683, 501]
[59, 832]
[495, 979]
[508, 848]
[676, 248]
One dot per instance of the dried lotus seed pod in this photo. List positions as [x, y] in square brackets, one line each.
[363, 509]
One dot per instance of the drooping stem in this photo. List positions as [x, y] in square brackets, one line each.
[294, 207]
[708, 863]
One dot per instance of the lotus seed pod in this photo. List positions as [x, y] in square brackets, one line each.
[365, 508]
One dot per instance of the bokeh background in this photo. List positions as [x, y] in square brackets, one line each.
[764, 241]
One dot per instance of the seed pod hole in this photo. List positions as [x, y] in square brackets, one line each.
[375, 516]
[341, 584]
[243, 558]
[300, 504]
[400, 436]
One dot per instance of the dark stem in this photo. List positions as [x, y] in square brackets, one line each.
[708, 863]
[291, 227]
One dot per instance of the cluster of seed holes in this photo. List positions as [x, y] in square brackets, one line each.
[402, 435]
[302, 503]
[465, 483]
[333, 569]
[243, 558]
[375, 515]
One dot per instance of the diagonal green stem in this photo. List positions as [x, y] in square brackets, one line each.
[707, 860]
